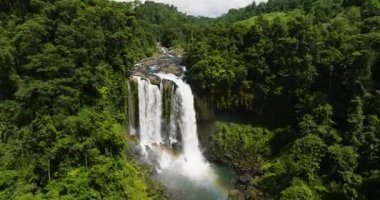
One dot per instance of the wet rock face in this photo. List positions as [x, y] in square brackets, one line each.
[166, 62]
[154, 80]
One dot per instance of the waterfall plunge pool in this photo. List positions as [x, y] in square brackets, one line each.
[180, 187]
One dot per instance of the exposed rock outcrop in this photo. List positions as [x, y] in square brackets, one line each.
[166, 62]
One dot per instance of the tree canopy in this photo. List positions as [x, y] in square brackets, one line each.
[302, 77]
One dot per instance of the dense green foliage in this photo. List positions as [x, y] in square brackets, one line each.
[244, 144]
[304, 75]
[170, 27]
[320, 59]
[64, 66]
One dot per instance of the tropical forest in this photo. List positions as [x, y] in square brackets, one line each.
[139, 100]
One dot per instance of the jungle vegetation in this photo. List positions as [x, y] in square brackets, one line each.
[302, 78]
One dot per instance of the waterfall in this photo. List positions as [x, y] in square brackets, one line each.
[183, 116]
[173, 122]
[189, 161]
[162, 119]
[131, 111]
[150, 101]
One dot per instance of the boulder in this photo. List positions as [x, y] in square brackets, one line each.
[172, 68]
[139, 73]
[154, 80]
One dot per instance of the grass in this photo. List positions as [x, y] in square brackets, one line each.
[270, 17]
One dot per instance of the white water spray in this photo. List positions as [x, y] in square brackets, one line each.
[183, 115]
[150, 101]
[190, 162]
[131, 112]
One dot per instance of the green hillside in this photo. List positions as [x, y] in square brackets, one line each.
[287, 93]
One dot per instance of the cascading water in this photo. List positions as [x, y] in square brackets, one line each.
[191, 160]
[182, 121]
[131, 112]
[150, 100]
[170, 143]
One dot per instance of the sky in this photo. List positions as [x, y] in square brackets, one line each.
[209, 8]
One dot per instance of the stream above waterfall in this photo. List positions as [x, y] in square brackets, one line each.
[162, 117]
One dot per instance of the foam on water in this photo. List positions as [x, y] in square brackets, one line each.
[184, 166]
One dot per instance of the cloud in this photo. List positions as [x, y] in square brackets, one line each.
[210, 8]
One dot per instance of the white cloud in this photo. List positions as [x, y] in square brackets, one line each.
[210, 8]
